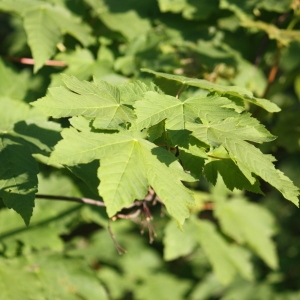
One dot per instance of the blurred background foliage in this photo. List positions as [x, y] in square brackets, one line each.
[236, 245]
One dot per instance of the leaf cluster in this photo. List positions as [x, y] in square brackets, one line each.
[129, 126]
[133, 128]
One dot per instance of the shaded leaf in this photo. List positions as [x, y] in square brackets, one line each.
[227, 260]
[45, 25]
[249, 223]
[163, 287]
[75, 281]
[191, 10]
[231, 174]
[208, 287]
[178, 243]
[18, 176]
[114, 14]
[13, 84]
[193, 156]
[40, 134]
[13, 111]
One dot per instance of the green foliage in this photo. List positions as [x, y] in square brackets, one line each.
[140, 164]
[74, 281]
[44, 25]
[154, 112]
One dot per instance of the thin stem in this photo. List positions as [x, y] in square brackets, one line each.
[153, 197]
[179, 91]
[119, 248]
[217, 157]
[147, 219]
[208, 206]
[72, 199]
[293, 23]
[30, 61]
[129, 216]
[272, 74]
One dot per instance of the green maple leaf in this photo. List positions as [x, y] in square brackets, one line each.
[42, 39]
[156, 107]
[134, 91]
[232, 135]
[129, 165]
[228, 91]
[99, 100]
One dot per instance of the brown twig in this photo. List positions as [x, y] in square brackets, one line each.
[208, 206]
[119, 248]
[142, 206]
[272, 74]
[30, 61]
[72, 199]
[147, 219]
[127, 216]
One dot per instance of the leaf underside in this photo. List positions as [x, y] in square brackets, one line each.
[128, 167]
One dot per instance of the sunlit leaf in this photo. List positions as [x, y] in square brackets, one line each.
[247, 157]
[140, 164]
[222, 90]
